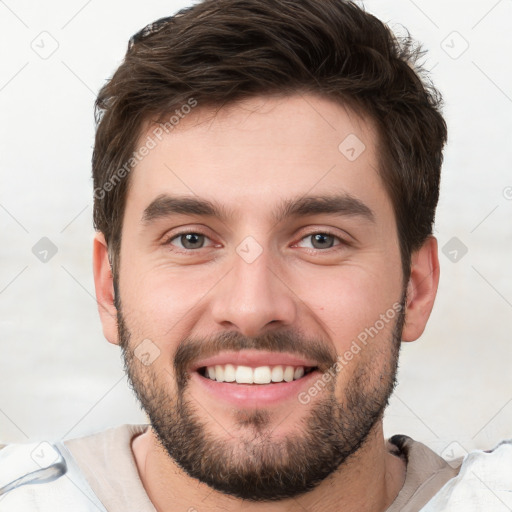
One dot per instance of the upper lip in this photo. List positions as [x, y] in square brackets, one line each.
[254, 358]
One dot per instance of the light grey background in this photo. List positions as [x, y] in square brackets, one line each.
[59, 377]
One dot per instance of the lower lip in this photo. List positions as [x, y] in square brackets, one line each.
[254, 395]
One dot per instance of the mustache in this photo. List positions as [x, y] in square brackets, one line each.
[295, 342]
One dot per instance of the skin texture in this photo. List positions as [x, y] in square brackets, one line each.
[249, 157]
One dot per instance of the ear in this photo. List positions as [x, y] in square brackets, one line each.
[104, 284]
[421, 290]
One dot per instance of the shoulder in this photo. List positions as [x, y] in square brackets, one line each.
[23, 465]
[426, 473]
[107, 461]
[484, 482]
[107, 449]
[35, 477]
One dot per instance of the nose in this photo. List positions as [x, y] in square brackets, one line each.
[253, 297]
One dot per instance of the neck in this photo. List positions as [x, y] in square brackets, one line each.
[368, 481]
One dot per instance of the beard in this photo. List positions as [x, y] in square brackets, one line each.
[250, 463]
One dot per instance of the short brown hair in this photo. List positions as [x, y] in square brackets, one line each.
[221, 51]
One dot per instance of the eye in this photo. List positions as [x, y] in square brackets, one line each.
[187, 240]
[323, 240]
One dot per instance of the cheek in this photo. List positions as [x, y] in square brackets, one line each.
[358, 307]
[162, 304]
[349, 299]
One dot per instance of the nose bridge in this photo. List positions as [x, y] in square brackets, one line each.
[253, 295]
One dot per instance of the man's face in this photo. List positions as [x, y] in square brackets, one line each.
[264, 292]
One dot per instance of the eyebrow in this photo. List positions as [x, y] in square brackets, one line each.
[343, 205]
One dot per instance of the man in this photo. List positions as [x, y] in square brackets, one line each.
[266, 175]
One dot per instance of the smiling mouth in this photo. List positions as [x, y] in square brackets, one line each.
[261, 375]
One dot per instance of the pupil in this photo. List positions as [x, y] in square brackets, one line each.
[320, 237]
[190, 238]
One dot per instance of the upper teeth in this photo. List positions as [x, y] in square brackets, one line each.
[259, 375]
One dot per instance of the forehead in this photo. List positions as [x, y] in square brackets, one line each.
[255, 153]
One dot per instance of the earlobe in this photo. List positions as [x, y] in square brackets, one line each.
[421, 289]
[104, 285]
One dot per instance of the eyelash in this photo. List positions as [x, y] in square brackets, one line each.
[342, 241]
